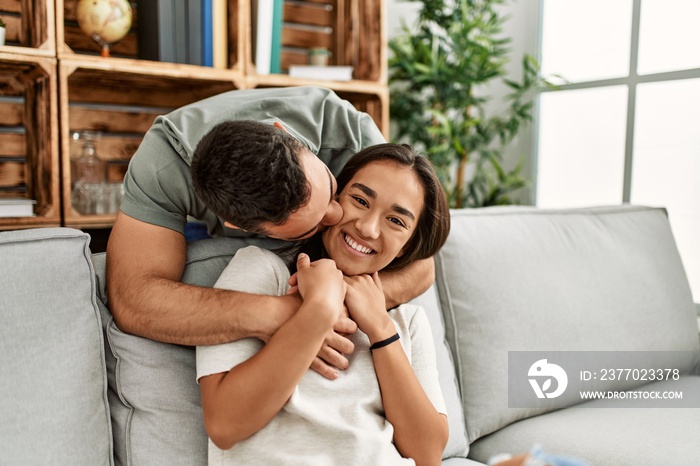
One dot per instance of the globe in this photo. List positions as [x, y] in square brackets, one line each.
[106, 21]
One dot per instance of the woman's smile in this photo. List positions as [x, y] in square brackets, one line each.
[356, 246]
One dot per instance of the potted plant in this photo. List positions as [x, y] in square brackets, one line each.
[437, 74]
[2, 32]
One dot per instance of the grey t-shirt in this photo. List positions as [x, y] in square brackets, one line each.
[325, 423]
[158, 187]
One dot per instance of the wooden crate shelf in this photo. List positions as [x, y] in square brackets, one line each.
[121, 105]
[366, 96]
[351, 30]
[53, 83]
[376, 105]
[72, 42]
[29, 137]
[30, 27]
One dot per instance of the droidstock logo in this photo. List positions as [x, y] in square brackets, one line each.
[546, 372]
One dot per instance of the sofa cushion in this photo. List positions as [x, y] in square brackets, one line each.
[53, 402]
[525, 279]
[606, 436]
[153, 392]
[457, 443]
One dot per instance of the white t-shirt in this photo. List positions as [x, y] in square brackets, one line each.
[339, 422]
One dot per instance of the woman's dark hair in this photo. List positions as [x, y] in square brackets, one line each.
[433, 224]
[249, 173]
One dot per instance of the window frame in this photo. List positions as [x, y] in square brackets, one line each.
[631, 81]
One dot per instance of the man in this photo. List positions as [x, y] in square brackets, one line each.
[147, 250]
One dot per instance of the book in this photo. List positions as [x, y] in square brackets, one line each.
[170, 30]
[268, 36]
[155, 21]
[276, 40]
[194, 32]
[263, 36]
[179, 29]
[16, 208]
[220, 33]
[328, 73]
[207, 33]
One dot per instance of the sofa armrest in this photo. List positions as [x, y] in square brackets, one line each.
[53, 408]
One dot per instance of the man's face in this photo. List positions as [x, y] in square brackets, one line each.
[321, 210]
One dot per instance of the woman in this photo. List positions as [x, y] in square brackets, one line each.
[262, 405]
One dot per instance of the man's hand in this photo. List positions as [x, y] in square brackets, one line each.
[336, 346]
[332, 356]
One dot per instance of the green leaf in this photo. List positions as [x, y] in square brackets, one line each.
[455, 47]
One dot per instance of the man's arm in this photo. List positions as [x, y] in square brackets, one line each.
[410, 282]
[144, 265]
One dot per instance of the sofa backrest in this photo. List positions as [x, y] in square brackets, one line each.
[53, 387]
[153, 393]
[525, 279]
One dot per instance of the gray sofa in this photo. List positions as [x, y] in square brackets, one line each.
[77, 391]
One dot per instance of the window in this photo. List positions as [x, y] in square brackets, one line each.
[625, 124]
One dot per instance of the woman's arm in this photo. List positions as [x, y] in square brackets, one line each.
[240, 402]
[420, 431]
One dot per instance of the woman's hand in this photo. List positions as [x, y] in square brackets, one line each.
[321, 285]
[365, 301]
[332, 357]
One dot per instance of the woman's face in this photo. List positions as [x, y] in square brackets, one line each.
[381, 207]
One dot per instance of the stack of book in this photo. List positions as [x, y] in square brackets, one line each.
[329, 73]
[16, 208]
[184, 31]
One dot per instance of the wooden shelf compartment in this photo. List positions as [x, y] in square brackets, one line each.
[30, 27]
[29, 165]
[154, 68]
[352, 31]
[376, 105]
[72, 42]
[121, 105]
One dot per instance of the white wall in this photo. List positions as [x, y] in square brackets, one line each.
[522, 29]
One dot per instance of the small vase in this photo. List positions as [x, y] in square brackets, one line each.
[318, 56]
[2, 36]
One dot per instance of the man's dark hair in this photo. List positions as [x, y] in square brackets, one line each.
[249, 173]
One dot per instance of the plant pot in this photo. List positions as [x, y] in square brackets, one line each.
[2, 36]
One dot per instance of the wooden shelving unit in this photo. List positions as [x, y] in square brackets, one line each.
[29, 112]
[54, 83]
[120, 99]
[30, 27]
[29, 137]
